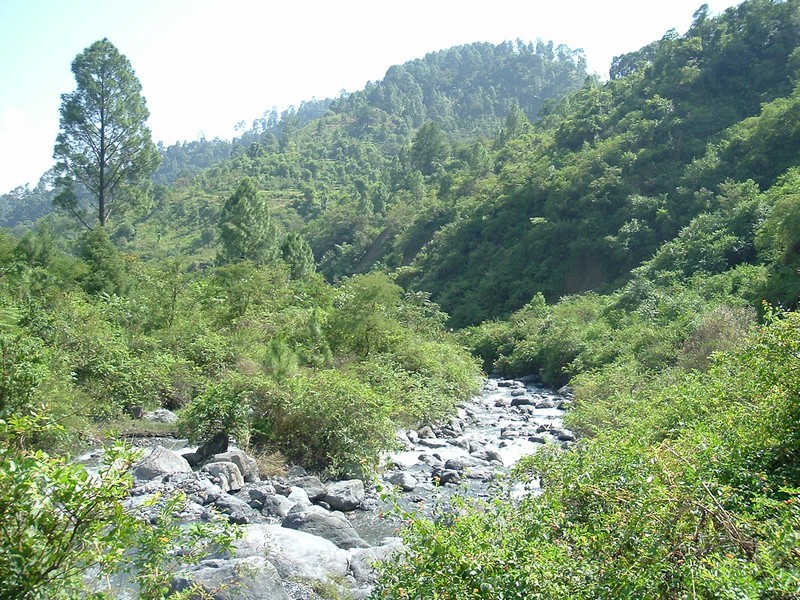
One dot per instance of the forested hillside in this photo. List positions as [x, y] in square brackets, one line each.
[322, 278]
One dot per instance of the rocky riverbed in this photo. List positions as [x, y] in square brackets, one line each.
[301, 534]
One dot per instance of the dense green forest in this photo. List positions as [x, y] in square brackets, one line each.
[319, 281]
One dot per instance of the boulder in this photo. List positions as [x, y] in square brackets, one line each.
[251, 578]
[276, 506]
[564, 435]
[426, 433]
[161, 415]
[567, 392]
[522, 401]
[312, 486]
[159, 461]
[225, 474]
[402, 438]
[332, 526]
[259, 493]
[247, 464]
[404, 480]
[345, 495]
[459, 463]
[481, 473]
[296, 554]
[433, 443]
[216, 445]
[237, 510]
[445, 476]
[362, 560]
[299, 496]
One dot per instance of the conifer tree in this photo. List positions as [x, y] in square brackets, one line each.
[298, 255]
[246, 228]
[104, 152]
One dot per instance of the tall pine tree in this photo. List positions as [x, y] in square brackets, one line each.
[104, 152]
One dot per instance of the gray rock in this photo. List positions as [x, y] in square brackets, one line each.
[298, 495]
[362, 560]
[458, 463]
[510, 383]
[404, 480]
[332, 526]
[161, 415]
[247, 464]
[493, 455]
[475, 446]
[251, 578]
[460, 442]
[258, 493]
[402, 437]
[312, 486]
[158, 461]
[276, 506]
[433, 443]
[216, 445]
[345, 495]
[225, 474]
[522, 401]
[237, 510]
[564, 435]
[545, 403]
[446, 476]
[426, 433]
[430, 460]
[481, 473]
[296, 554]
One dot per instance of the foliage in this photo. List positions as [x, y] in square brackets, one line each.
[167, 544]
[57, 519]
[104, 149]
[245, 227]
[691, 491]
[223, 407]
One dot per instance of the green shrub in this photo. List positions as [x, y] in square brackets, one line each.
[223, 407]
[57, 519]
[325, 420]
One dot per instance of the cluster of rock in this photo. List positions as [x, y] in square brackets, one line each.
[296, 532]
[510, 419]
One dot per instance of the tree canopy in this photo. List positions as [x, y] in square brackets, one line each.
[104, 152]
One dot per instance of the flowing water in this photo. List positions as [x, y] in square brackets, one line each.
[489, 437]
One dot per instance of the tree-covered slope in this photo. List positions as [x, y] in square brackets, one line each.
[360, 177]
[596, 185]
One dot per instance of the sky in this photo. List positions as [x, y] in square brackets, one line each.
[206, 65]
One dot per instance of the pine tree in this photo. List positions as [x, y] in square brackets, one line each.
[246, 228]
[104, 152]
[298, 255]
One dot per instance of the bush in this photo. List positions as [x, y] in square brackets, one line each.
[58, 520]
[325, 420]
[689, 487]
[224, 407]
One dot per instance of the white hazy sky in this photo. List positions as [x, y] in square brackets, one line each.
[205, 65]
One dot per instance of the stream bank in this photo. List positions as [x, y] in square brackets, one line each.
[301, 534]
